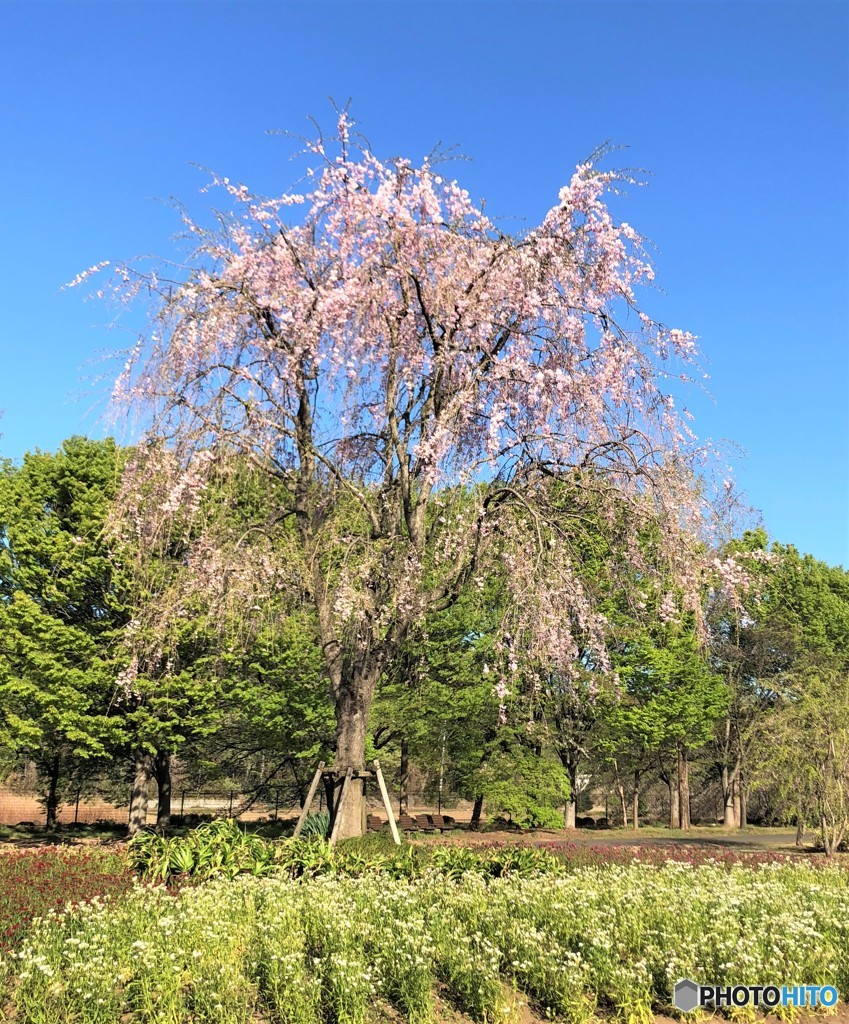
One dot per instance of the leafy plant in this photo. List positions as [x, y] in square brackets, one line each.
[521, 861]
[316, 825]
[455, 861]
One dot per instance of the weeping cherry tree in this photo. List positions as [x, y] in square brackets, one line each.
[414, 384]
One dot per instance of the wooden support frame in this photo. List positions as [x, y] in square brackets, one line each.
[305, 810]
[385, 794]
[323, 770]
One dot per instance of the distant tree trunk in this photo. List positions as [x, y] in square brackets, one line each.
[635, 808]
[730, 798]
[162, 770]
[668, 778]
[572, 802]
[620, 789]
[403, 782]
[744, 810]
[142, 778]
[800, 826]
[475, 822]
[730, 777]
[52, 804]
[833, 830]
[736, 805]
[683, 789]
[624, 805]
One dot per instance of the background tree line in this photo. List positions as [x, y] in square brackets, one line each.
[748, 696]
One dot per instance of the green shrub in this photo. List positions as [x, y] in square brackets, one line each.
[540, 816]
[215, 848]
[316, 826]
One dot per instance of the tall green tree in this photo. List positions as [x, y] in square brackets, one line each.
[802, 752]
[61, 610]
[669, 705]
[793, 614]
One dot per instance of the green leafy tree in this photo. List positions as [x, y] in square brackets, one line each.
[802, 752]
[669, 705]
[794, 613]
[61, 610]
[273, 715]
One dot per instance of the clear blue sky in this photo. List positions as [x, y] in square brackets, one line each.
[739, 110]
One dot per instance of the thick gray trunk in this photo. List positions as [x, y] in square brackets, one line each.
[669, 779]
[731, 806]
[142, 777]
[572, 803]
[353, 703]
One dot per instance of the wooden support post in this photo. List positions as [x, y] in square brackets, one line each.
[337, 813]
[305, 810]
[383, 792]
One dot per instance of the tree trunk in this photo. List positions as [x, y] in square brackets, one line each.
[735, 801]
[572, 803]
[730, 780]
[683, 789]
[800, 826]
[621, 791]
[475, 822]
[403, 782]
[139, 796]
[635, 808]
[831, 834]
[353, 703]
[53, 795]
[162, 770]
[623, 802]
[744, 814]
[669, 779]
[731, 802]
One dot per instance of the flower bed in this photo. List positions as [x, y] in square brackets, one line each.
[584, 855]
[612, 937]
[35, 881]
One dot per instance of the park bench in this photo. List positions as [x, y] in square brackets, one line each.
[408, 824]
[374, 823]
[438, 822]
